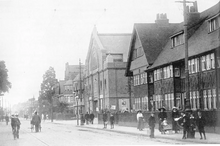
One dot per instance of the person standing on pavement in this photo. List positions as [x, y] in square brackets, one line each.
[185, 124]
[91, 116]
[87, 118]
[105, 119]
[192, 126]
[151, 122]
[112, 121]
[175, 114]
[201, 124]
[140, 119]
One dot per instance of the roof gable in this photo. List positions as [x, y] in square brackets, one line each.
[153, 38]
[200, 40]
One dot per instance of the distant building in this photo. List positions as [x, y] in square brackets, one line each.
[65, 90]
[106, 87]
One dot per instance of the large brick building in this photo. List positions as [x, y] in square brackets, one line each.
[159, 63]
[106, 87]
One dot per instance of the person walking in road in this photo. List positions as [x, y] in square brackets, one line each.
[105, 119]
[87, 118]
[175, 114]
[151, 122]
[91, 116]
[15, 124]
[36, 121]
[201, 124]
[112, 121]
[140, 119]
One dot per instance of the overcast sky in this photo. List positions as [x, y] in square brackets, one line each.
[37, 34]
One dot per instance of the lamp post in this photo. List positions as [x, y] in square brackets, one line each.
[77, 111]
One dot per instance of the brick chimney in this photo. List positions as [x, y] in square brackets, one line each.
[193, 14]
[162, 20]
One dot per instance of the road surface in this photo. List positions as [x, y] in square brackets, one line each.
[53, 134]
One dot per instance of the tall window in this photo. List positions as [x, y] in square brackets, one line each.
[145, 77]
[214, 98]
[158, 101]
[145, 103]
[205, 99]
[212, 61]
[214, 23]
[203, 63]
[208, 62]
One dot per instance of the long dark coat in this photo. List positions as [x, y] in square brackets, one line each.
[36, 120]
[200, 121]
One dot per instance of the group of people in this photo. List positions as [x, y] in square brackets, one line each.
[87, 118]
[187, 121]
[105, 120]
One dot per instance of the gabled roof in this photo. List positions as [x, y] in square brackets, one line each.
[116, 43]
[199, 41]
[153, 38]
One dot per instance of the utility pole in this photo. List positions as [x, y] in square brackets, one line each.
[80, 86]
[185, 13]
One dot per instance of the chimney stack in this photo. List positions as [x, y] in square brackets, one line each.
[193, 14]
[162, 20]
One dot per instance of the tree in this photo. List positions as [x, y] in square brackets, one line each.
[48, 88]
[4, 83]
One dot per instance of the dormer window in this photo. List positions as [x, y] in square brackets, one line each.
[214, 23]
[177, 39]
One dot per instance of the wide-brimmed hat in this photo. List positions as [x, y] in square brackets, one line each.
[162, 108]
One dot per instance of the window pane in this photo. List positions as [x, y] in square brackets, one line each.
[208, 62]
[212, 61]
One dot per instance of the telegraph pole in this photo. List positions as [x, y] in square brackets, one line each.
[80, 86]
[185, 13]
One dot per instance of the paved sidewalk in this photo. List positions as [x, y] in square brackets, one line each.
[212, 138]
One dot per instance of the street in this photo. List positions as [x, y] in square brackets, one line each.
[54, 134]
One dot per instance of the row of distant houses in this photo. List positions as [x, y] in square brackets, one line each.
[146, 70]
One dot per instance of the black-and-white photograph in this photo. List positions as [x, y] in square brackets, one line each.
[109, 72]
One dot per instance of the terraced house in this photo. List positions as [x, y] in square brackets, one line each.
[157, 63]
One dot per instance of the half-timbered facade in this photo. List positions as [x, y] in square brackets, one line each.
[159, 75]
[148, 40]
[169, 67]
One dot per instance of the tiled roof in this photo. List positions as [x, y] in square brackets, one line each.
[116, 43]
[199, 42]
[153, 37]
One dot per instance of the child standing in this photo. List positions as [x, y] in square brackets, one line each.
[201, 124]
[152, 122]
[112, 120]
